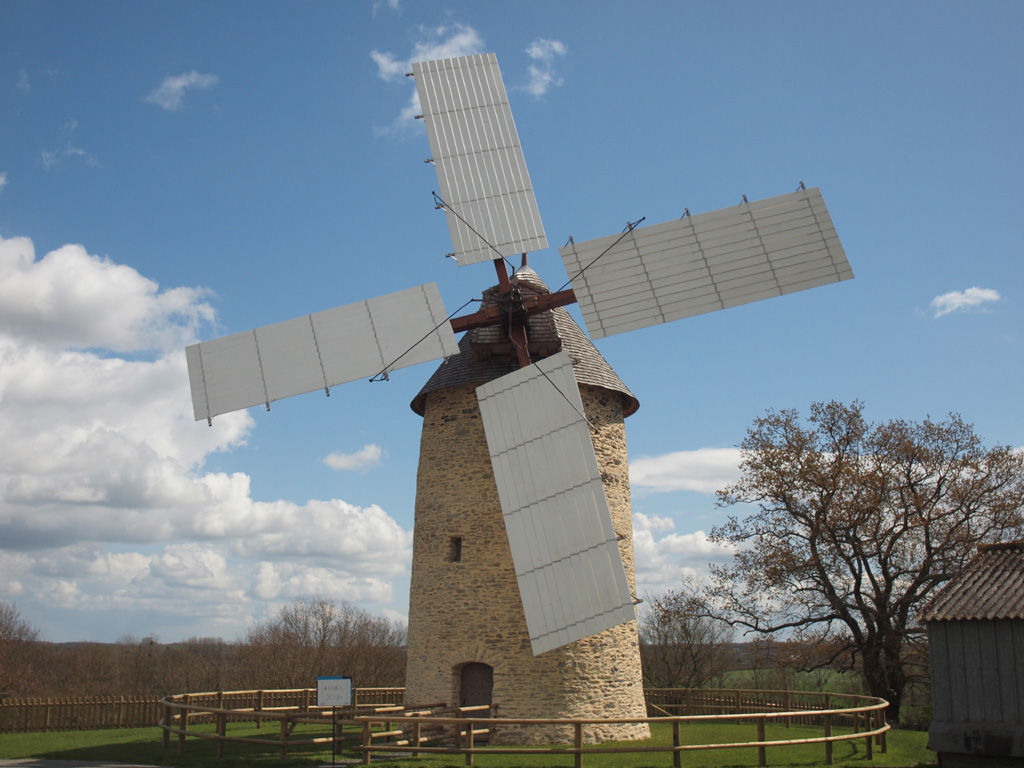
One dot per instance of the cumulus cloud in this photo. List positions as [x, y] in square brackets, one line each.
[3, 180]
[972, 298]
[541, 73]
[704, 470]
[440, 42]
[105, 504]
[367, 457]
[170, 94]
[664, 558]
[72, 299]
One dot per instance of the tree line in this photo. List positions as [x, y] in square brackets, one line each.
[304, 640]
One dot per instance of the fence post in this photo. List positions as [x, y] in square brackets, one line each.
[222, 731]
[828, 735]
[788, 704]
[881, 737]
[869, 751]
[416, 737]
[259, 708]
[761, 757]
[168, 716]
[677, 757]
[469, 742]
[578, 743]
[183, 716]
[366, 742]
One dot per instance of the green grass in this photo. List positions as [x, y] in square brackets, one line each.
[144, 745]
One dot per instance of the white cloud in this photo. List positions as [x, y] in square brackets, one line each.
[68, 150]
[440, 42]
[972, 298]
[394, 5]
[704, 470]
[171, 92]
[541, 72]
[23, 83]
[3, 180]
[104, 502]
[73, 299]
[662, 561]
[365, 458]
[388, 67]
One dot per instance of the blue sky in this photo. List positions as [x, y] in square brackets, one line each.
[176, 171]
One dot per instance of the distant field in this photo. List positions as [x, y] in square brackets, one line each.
[143, 745]
[818, 680]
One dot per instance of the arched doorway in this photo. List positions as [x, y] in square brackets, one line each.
[476, 682]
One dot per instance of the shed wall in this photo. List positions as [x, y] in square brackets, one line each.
[977, 687]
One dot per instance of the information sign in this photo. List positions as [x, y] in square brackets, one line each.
[334, 691]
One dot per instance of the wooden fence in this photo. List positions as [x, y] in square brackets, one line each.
[82, 713]
[77, 713]
[394, 729]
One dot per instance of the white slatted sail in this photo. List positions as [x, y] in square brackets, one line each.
[564, 548]
[480, 166]
[319, 350]
[707, 262]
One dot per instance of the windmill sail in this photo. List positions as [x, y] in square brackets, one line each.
[565, 551]
[707, 262]
[480, 166]
[319, 350]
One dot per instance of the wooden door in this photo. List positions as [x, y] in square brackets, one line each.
[476, 681]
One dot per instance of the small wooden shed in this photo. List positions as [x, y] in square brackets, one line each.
[976, 640]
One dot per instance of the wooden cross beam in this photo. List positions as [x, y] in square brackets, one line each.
[513, 311]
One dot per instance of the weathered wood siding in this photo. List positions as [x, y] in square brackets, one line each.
[977, 671]
[977, 687]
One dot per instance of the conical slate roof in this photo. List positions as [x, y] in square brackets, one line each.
[486, 353]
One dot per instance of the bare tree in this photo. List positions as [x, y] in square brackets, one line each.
[680, 647]
[17, 640]
[856, 525]
[318, 637]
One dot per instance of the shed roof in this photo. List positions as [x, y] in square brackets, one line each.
[991, 587]
[486, 354]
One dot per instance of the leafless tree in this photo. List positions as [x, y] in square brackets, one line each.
[318, 637]
[680, 646]
[17, 639]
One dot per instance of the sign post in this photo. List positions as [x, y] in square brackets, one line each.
[334, 691]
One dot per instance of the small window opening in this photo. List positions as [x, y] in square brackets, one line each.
[455, 549]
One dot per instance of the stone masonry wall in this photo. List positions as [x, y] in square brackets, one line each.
[470, 611]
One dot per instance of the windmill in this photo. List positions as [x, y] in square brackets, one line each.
[563, 545]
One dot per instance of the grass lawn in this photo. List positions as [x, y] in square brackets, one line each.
[144, 745]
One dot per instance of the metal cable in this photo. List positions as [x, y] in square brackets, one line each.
[440, 203]
[382, 375]
[630, 226]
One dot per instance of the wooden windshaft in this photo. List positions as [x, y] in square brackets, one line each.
[513, 311]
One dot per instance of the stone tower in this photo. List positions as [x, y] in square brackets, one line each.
[468, 642]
